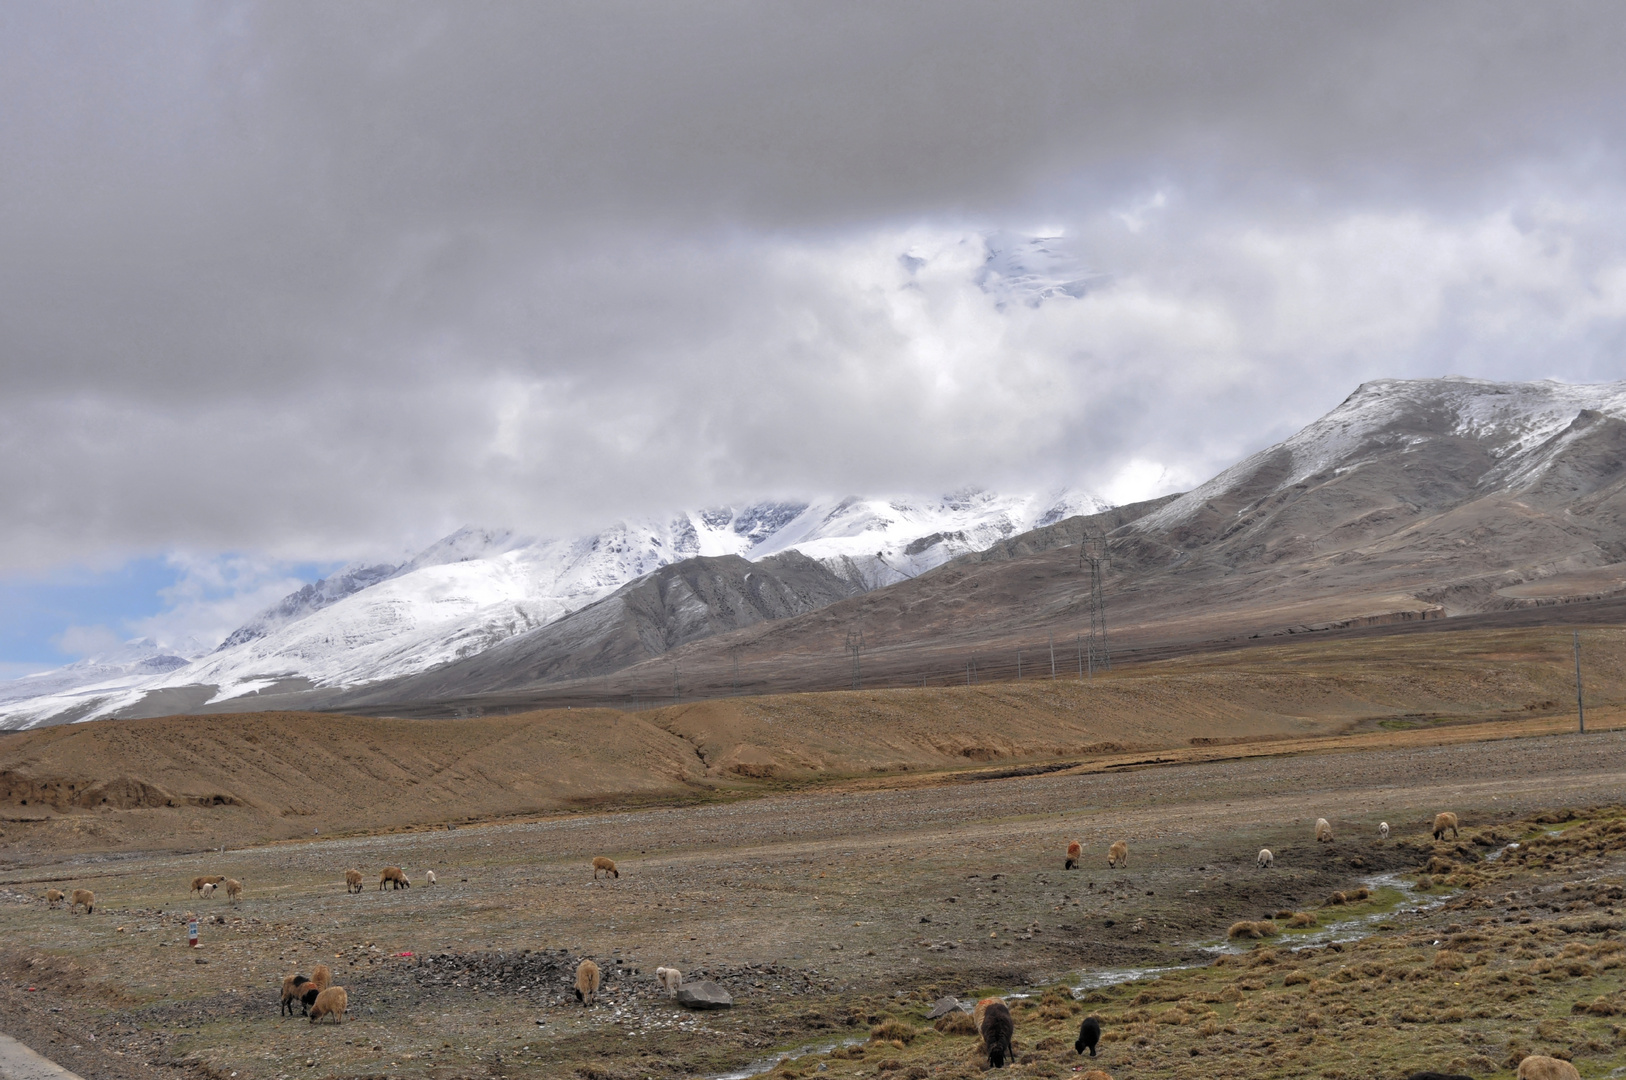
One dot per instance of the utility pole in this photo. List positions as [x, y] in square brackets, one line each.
[1580, 704]
[1092, 550]
[855, 642]
[1018, 665]
[1078, 642]
[677, 695]
[1052, 656]
[735, 649]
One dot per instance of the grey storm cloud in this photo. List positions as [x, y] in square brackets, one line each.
[312, 278]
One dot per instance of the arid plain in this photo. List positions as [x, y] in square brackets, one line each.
[838, 885]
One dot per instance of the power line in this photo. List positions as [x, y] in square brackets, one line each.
[855, 643]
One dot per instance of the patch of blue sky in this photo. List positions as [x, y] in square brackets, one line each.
[42, 615]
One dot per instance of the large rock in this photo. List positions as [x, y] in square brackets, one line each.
[943, 1007]
[704, 995]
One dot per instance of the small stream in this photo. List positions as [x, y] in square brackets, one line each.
[1342, 931]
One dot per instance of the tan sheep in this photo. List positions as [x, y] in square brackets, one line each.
[1300, 919]
[234, 890]
[587, 982]
[205, 879]
[1541, 1067]
[429, 875]
[352, 881]
[85, 897]
[606, 865]
[1075, 855]
[1443, 821]
[291, 992]
[1266, 859]
[1383, 830]
[322, 977]
[53, 897]
[670, 978]
[332, 1002]
[1323, 831]
[1117, 855]
[393, 876]
[1096, 1074]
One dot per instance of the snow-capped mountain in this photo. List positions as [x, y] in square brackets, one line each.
[477, 588]
[1516, 424]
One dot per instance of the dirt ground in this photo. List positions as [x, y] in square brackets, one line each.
[824, 912]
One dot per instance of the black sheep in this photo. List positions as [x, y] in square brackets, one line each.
[997, 1029]
[1089, 1033]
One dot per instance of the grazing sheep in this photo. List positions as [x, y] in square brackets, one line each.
[1075, 855]
[1444, 821]
[392, 876]
[208, 888]
[234, 890]
[322, 977]
[1096, 1074]
[291, 992]
[1383, 830]
[1300, 919]
[205, 879]
[1541, 1067]
[1323, 831]
[670, 978]
[85, 897]
[994, 1024]
[1437, 1076]
[606, 865]
[1335, 899]
[352, 881]
[587, 982]
[429, 875]
[308, 993]
[1266, 859]
[1118, 855]
[53, 897]
[1089, 1033]
[332, 1002]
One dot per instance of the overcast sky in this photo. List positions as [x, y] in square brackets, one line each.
[285, 285]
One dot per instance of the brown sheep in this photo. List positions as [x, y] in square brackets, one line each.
[587, 982]
[1540, 1067]
[1323, 831]
[1444, 821]
[85, 897]
[53, 897]
[332, 1002]
[1118, 855]
[1096, 1074]
[392, 876]
[205, 879]
[322, 977]
[291, 992]
[606, 865]
[1262, 928]
[1075, 855]
[234, 890]
[352, 881]
[1300, 919]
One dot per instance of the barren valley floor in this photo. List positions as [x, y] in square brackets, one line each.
[834, 914]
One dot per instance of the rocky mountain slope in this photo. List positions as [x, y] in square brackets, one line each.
[1411, 501]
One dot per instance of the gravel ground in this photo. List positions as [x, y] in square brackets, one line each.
[807, 906]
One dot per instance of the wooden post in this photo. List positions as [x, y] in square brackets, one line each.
[1580, 703]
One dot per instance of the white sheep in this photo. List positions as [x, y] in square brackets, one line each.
[670, 978]
[1383, 830]
[1323, 831]
[429, 876]
[1266, 859]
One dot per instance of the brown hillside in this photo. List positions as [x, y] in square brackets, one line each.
[190, 782]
